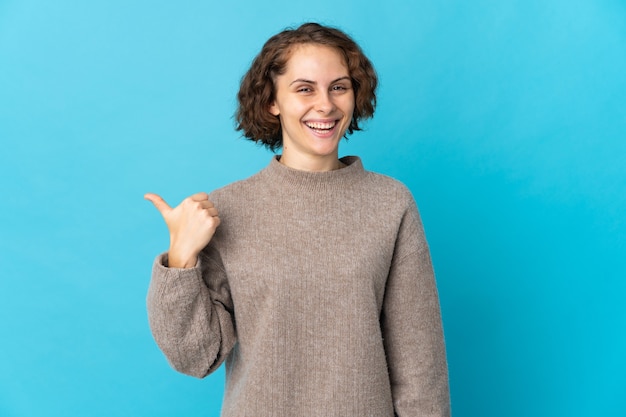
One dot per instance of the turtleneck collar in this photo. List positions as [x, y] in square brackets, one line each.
[308, 180]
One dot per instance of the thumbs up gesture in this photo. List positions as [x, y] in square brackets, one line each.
[191, 225]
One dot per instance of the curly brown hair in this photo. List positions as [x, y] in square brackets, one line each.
[257, 90]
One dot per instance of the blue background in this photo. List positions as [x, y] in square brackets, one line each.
[506, 119]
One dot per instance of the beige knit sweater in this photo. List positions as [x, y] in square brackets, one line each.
[318, 291]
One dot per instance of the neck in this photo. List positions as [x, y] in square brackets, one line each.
[311, 164]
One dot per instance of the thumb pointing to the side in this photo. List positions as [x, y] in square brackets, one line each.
[158, 202]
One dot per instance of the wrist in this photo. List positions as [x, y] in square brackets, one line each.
[177, 259]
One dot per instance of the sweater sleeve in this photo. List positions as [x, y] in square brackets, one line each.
[412, 328]
[190, 312]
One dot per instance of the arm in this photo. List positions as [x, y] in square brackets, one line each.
[412, 329]
[190, 315]
[189, 305]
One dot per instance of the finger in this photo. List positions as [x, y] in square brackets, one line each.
[206, 204]
[158, 202]
[212, 212]
[199, 196]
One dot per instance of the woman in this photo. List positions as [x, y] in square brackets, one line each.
[313, 281]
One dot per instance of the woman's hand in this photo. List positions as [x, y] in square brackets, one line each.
[191, 224]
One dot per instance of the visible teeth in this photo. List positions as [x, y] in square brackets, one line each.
[319, 125]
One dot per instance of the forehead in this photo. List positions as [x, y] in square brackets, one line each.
[313, 58]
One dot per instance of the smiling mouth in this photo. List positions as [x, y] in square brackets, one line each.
[321, 127]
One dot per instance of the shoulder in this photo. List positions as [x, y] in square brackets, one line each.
[396, 207]
[235, 190]
[394, 200]
[389, 188]
[377, 182]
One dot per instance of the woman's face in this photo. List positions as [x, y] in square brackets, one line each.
[315, 102]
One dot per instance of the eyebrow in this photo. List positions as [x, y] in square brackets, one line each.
[303, 80]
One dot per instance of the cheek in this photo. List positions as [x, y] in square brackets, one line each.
[349, 106]
[295, 109]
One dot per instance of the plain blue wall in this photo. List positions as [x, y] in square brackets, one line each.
[505, 118]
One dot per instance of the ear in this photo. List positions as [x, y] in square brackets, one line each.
[273, 108]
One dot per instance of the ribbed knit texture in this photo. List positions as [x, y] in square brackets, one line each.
[318, 291]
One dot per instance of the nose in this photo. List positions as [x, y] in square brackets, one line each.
[325, 103]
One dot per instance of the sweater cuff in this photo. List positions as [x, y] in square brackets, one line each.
[161, 268]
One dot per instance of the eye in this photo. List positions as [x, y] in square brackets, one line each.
[340, 88]
[304, 89]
